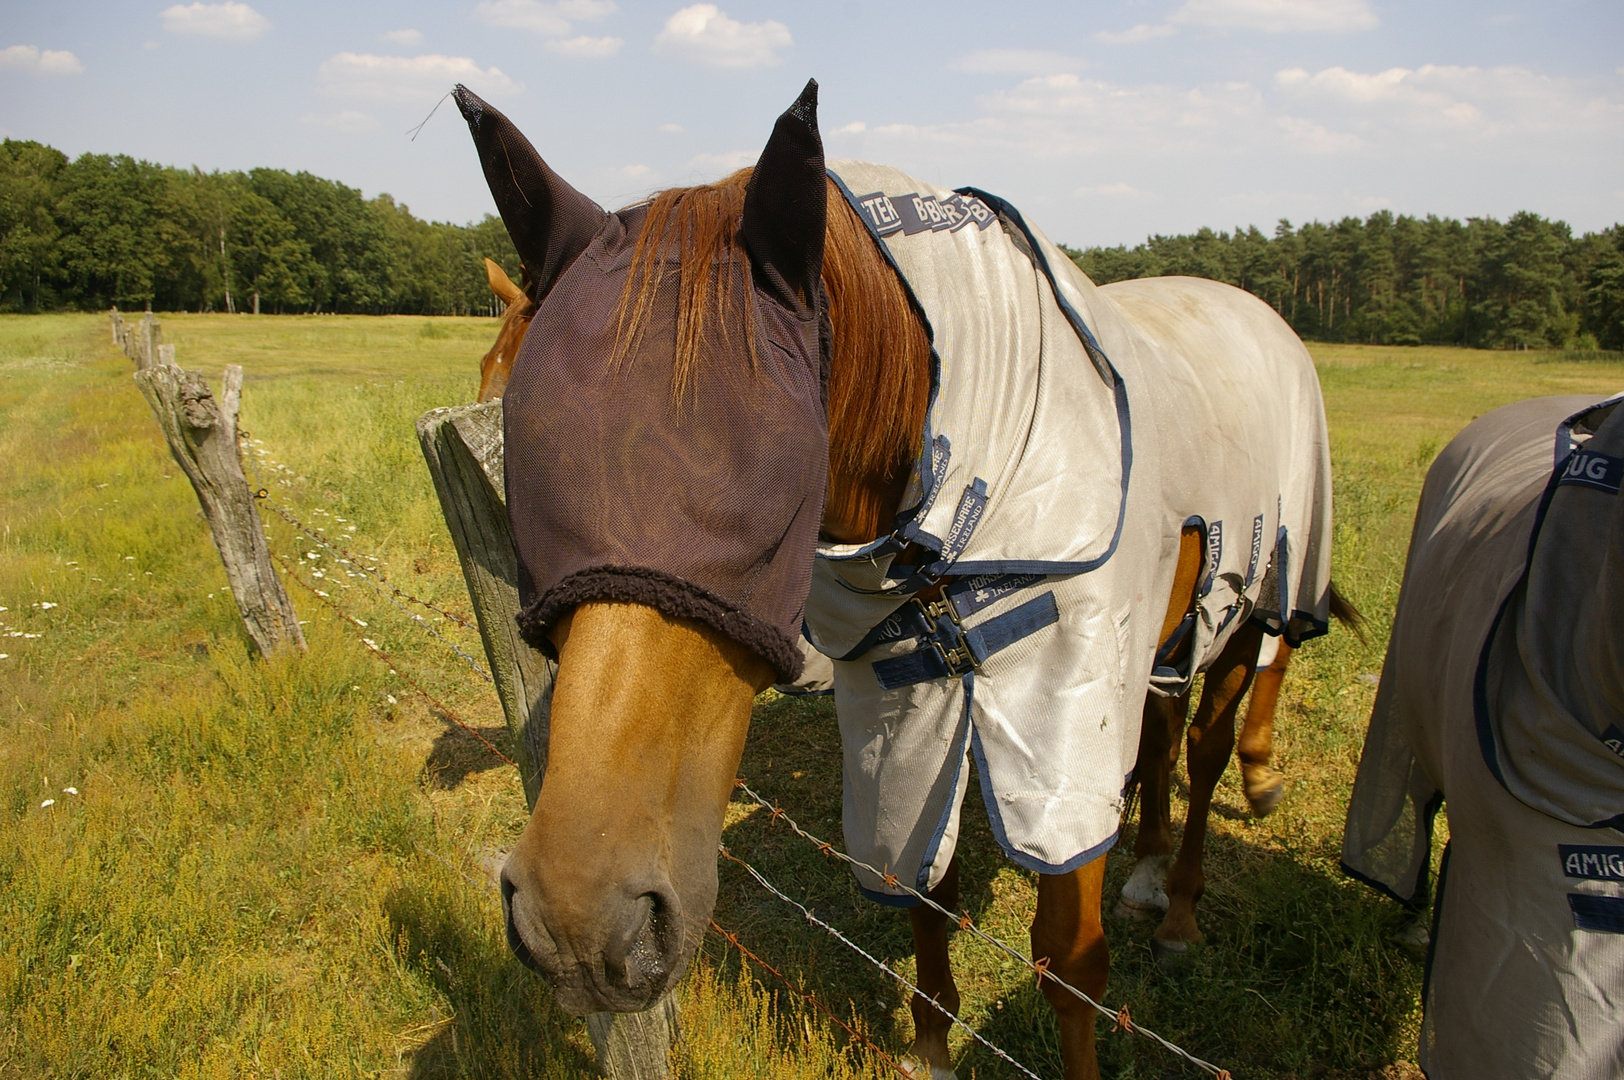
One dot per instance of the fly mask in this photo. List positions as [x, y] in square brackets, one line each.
[695, 492]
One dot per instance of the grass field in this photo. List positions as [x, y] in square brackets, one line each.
[280, 869]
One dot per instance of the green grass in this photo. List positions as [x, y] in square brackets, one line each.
[276, 869]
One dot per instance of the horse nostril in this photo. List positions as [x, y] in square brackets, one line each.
[514, 940]
[652, 941]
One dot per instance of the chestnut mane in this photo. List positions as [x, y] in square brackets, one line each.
[879, 379]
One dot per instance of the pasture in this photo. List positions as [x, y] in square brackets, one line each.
[282, 869]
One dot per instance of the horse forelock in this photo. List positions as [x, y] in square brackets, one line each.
[879, 382]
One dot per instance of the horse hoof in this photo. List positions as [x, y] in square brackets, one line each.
[1413, 937]
[1264, 790]
[1145, 894]
[915, 1069]
[1170, 955]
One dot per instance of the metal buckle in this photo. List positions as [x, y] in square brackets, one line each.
[935, 609]
[956, 660]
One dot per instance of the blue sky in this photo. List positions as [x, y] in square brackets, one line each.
[1104, 122]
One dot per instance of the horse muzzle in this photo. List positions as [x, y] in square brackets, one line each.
[620, 957]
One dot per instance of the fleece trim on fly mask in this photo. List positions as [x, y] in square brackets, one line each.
[1499, 699]
[1033, 495]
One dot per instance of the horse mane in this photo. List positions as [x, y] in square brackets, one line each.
[879, 378]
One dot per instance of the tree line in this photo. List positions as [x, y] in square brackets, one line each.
[107, 229]
[1527, 282]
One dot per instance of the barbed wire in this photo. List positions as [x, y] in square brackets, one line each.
[1121, 1019]
[806, 913]
[811, 999]
[372, 647]
[315, 532]
[421, 622]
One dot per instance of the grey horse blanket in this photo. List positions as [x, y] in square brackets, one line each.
[1503, 693]
[1072, 432]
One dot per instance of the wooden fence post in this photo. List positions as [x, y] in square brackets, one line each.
[463, 447]
[202, 435]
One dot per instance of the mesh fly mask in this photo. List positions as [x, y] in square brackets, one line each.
[701, 497]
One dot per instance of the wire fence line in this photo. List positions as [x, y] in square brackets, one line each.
[806, 913]
[1120, 1018]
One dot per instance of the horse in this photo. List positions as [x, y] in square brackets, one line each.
[1145, 894]
[1500, 700]
[727, 428]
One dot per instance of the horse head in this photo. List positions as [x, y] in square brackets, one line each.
[518, 309]
[667, 457]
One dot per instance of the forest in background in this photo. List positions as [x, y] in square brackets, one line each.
[108, 229]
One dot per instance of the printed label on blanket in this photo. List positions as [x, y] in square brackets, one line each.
[1592, 863]
[1593, 470]
[915, 213]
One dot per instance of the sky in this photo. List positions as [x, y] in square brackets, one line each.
[1104, 122]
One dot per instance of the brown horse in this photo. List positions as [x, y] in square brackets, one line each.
[711, 382]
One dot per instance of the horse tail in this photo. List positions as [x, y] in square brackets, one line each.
[1343, 611]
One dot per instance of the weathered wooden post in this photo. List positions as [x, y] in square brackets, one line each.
[147, 348]
[118, 325]
[202, 435]
[463, 447]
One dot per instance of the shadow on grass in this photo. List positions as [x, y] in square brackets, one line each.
[458, 753]
[502, 1020]
[1296, 977]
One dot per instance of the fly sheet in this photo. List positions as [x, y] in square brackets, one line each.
[1072, 432]
[1503, 691]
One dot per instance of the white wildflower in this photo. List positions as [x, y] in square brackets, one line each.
[47, 802]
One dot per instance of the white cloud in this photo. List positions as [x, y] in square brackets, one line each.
[417, 78]
[40, 62]
[672, 129]
[1016, 62]
[1134, 35]
[1315, 138]
[547, 19]
[349, 121]
[632, 172]
[856, 127]
[238, 22]
[724, 163]
[585, 46]
[1279, 16]
[703, 34]
[403, 37]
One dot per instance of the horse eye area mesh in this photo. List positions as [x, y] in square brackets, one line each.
[703, 505]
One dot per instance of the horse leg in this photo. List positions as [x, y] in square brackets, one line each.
[1264, 785]
[1068, 938]
[1211, 737]
[929, 1055]
[1145, 893]
[1144, 896]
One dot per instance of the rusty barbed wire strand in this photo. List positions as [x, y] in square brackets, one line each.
[811, 999]
[1119, 1017]
[446, 710]
[339, 553]
[806, 913]
[343, 554]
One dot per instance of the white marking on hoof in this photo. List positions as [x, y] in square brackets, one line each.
[1145, 894]
[915, 1069]
[1414, 936]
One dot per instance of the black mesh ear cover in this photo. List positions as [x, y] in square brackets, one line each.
[785, 207]
[550, 222]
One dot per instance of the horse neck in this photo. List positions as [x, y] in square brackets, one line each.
[879, 382]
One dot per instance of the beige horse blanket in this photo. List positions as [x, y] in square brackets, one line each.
[1503, 694]
[1072, 433]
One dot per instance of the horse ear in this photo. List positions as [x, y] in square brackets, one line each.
[786, 204]
[550, 222]
[500, 283]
